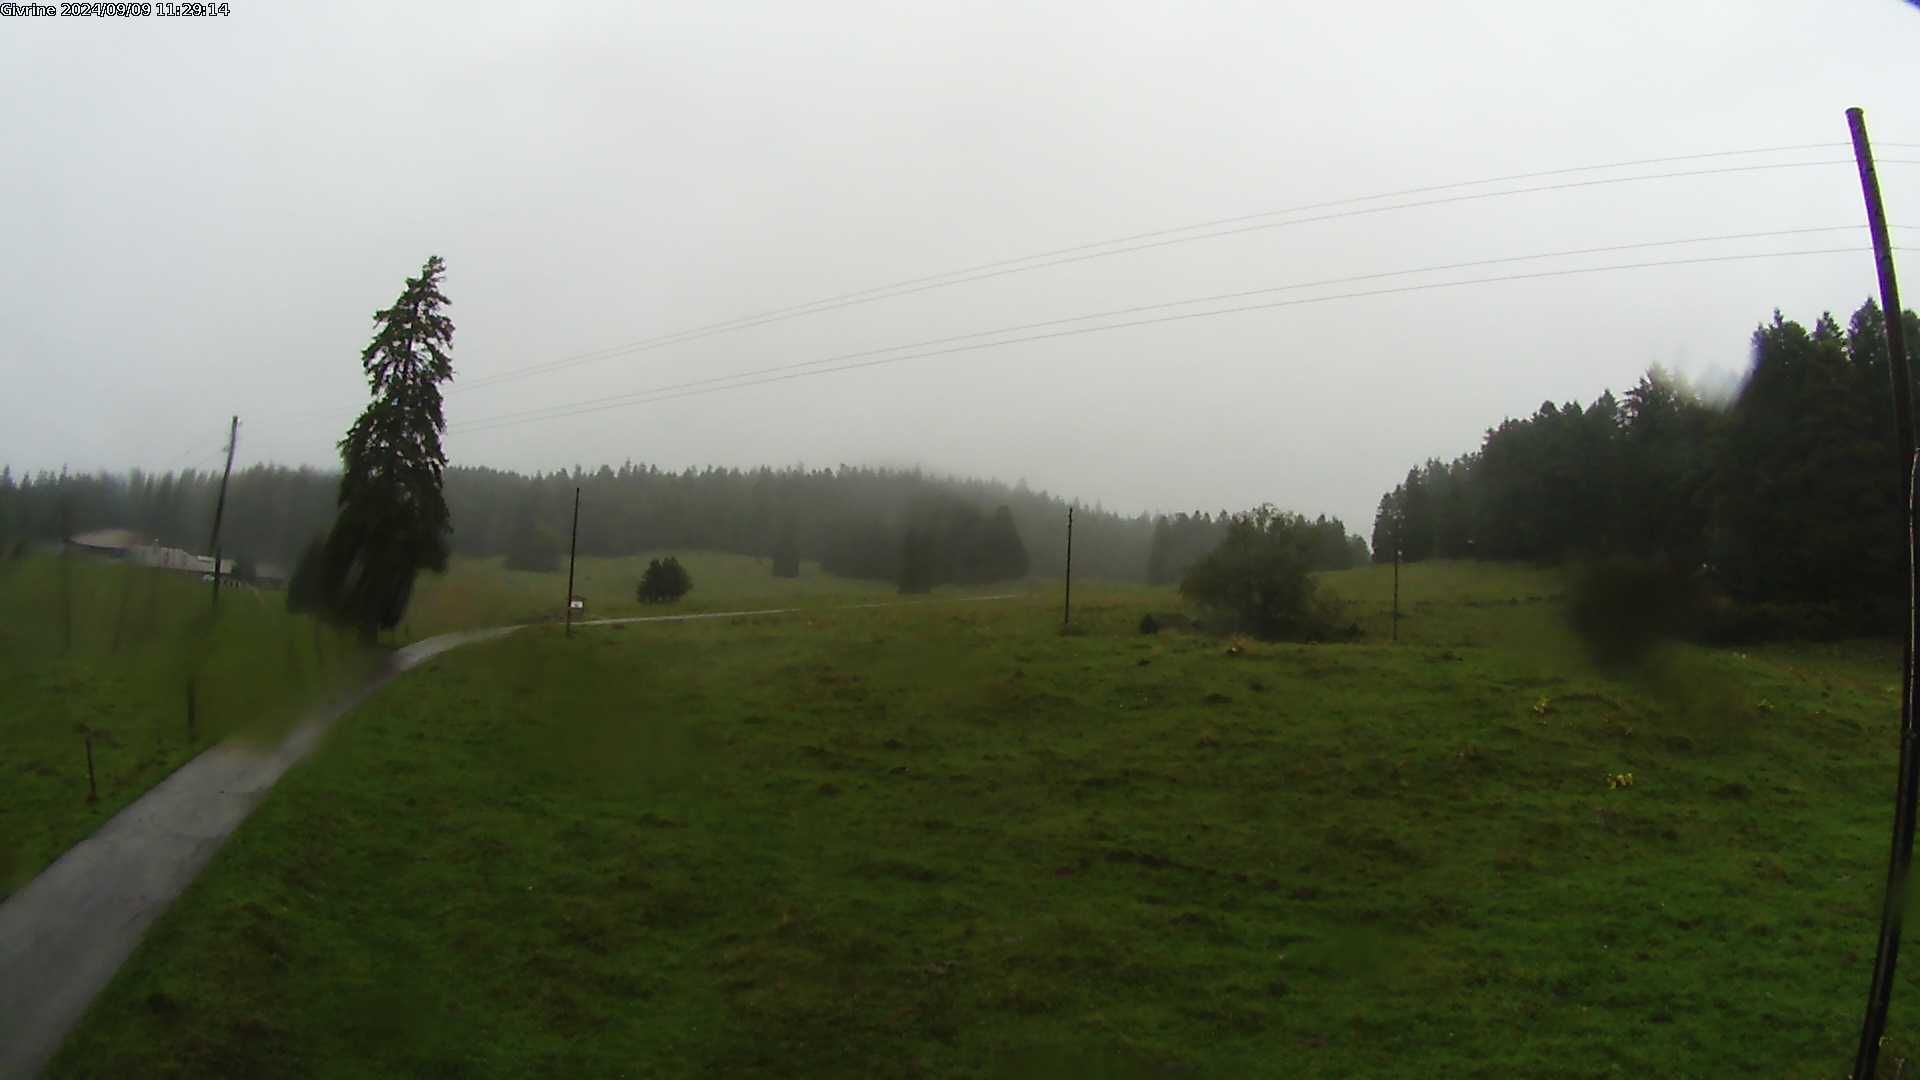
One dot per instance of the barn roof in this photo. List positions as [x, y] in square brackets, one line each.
[108, 539]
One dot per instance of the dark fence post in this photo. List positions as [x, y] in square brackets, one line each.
[1066, 610]
[573, 546]
[1396, 590]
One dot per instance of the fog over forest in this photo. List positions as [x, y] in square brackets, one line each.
[610, 185]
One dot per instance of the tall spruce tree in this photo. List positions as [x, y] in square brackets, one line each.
[393, 520]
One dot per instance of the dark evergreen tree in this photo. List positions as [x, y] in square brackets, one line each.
[1357, 553]
[1787, 502]
[393, 520]
[305, 592]
[1798, 502]
[663, 582]
[1386, 527]
[1159, 551]
[9, 510]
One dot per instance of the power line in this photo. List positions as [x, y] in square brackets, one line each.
[651, 397]
[803, 308]
[1084, 252]
[824, 307]
[1199, 300]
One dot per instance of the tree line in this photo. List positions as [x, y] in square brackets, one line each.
[1182, 541]
[935, 540]
[271, 512]
[1784, 503]
[854, 519]
[851, 518]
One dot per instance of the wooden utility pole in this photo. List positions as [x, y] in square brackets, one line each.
[573, 546]
[220, 507]
[1900, 859]
[1066, 610]
[1396, 587]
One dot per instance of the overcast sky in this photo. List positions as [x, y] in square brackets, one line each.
[201, 215]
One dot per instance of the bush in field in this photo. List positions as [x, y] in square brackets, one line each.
[1622, 608]
[664, 582]
[1259, 579]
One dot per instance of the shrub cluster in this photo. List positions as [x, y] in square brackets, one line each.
[664, 581]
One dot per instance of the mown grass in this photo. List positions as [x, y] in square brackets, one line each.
[91, 647]
[948, 840]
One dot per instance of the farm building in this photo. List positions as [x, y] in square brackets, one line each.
[129, 546]
[108, 543]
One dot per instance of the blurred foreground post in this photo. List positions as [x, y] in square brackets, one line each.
[1066, 610]
[93, 790]
[220, 508]
[1900, 860]
[573, 546]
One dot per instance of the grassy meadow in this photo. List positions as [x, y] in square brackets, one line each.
[948, 840]
[89, 646]
[95, 646]
[481, 592]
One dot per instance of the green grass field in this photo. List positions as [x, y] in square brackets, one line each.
[947, 840]
[480, 592]
[109, 649]
[90, 646]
